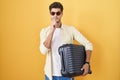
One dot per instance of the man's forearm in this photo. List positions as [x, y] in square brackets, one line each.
[88, 55]
[48, 40]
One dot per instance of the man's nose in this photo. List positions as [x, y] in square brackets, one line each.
[55, 15]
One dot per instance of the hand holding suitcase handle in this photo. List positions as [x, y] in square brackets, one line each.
[89, 72]
[84, 67]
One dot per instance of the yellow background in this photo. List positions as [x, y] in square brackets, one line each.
[22, 20]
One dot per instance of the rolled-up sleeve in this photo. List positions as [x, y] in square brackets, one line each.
[43, 49]
[81, 39]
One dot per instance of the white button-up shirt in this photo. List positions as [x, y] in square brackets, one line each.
[69, 34]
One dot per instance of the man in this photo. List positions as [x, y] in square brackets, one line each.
[53, 37]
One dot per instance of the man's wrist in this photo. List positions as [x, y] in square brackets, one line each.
[87, 63]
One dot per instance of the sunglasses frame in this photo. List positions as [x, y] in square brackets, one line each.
[57, 13]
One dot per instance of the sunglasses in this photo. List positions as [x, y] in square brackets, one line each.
[57, 13]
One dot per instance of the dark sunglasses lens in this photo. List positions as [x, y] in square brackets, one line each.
[52, 13]
[58, 13]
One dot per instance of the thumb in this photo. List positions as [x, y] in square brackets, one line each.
[82, 68]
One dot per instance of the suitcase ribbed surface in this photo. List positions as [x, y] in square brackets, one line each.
[72, 59]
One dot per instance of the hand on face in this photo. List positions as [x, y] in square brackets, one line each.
[54, 22]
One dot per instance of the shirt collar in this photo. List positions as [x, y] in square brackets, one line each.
[62, 27]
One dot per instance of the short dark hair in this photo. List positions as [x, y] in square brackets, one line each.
[56, 5]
